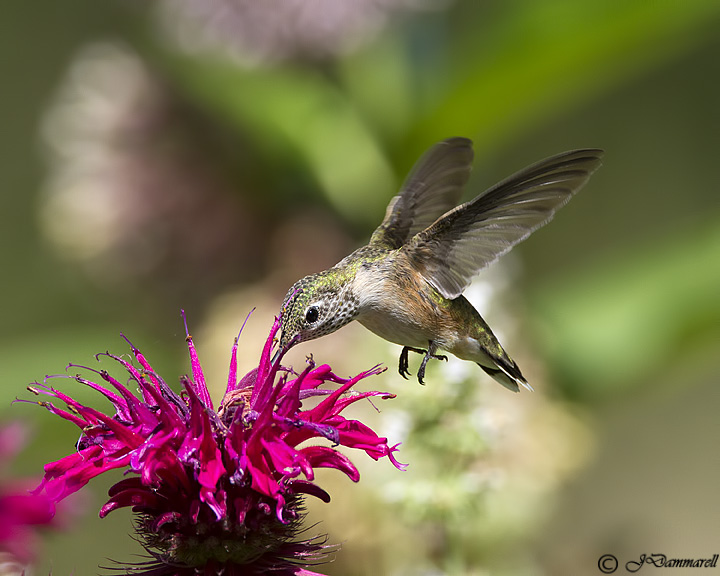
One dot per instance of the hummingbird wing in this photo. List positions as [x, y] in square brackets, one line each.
[466, 239]
[433, 187]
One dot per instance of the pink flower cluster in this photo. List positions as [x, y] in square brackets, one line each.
[233, 472]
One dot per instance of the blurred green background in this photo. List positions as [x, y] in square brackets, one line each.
[158, 157]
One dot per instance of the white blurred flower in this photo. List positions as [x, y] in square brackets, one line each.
[253, 31]
[482, 460]
[133, 190]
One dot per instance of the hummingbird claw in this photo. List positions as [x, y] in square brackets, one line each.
[403, 363]
[428, 354]
[421, 370]
[432, 347]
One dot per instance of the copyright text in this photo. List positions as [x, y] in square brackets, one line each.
[608, 563]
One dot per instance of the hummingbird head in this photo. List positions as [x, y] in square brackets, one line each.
[314, 306]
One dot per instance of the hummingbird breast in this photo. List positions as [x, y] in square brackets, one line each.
[397, 304]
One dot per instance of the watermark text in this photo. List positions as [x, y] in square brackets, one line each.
[609, 564]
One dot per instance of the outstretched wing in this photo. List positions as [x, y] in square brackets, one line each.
[460, 243]
[433, 187]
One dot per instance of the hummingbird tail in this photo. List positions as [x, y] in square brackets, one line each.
[509, 376]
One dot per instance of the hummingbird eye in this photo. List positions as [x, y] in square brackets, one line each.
[312, 315]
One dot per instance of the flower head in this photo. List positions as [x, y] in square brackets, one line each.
[20, 511]
[215, 489]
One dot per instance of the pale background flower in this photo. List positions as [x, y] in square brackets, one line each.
[274, 30]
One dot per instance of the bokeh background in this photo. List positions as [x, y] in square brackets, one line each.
[204, 154]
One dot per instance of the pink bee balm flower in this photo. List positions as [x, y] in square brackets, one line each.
[216, 491]
[21, 513]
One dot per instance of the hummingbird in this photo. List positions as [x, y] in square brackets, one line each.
[406, 284]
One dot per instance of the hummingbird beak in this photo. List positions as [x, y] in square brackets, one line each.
[283, 347]
[275, 356]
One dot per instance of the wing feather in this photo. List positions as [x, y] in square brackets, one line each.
[466, 239]
[433, 187]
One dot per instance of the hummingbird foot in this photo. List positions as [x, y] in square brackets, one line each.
[403, 364]
[432, 348]
[428, 354]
